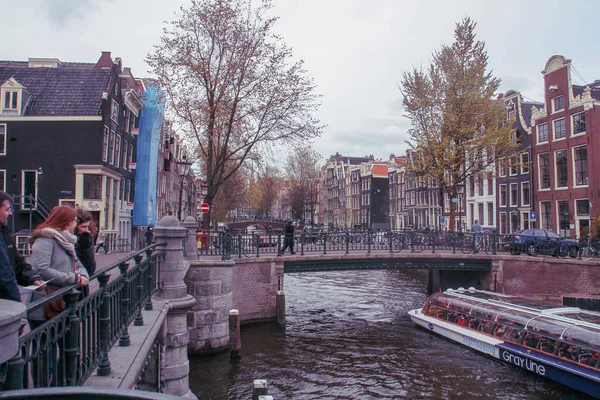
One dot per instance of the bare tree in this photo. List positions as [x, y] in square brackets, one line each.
[264, 191]
[232, 85]
[458, 129]
[303, 172]
[231, 196]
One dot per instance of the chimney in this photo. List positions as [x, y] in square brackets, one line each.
[105, 61]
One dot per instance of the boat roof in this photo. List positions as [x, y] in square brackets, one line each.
[547, 318]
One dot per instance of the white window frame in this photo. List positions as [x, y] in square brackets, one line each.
[525, 165]
[556, 187]
[117, 150]
[510, 199]
[502, 167]
[537, 130]
[105, 144]
[3, 134]
[553, 102]
[512, 164]
[574, 167]
[573, 124]
[114, 111]
[524, 198]
[111, 147]
[11, 95]
[125, 150]
[540, 177]
[3, 180]
[500, 199]
[554, 138]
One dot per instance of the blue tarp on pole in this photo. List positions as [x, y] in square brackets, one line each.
[150, 126]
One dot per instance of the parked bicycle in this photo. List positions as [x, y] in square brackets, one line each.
[587, 251]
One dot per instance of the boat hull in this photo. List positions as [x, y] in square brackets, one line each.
[573, 376]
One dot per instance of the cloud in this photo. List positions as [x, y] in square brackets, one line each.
[62, 13]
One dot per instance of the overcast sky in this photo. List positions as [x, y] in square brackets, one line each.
[356, 50]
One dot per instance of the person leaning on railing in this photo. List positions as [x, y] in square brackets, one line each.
[53, 257]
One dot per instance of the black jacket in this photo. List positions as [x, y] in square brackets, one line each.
[85, 252]
[24, 271]
[289, 230]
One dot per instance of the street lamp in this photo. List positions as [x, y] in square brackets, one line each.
[183, 168]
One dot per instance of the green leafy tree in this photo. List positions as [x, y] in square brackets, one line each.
[458, 128]
[232, 86]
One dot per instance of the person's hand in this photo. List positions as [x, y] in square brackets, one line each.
[83, 281]
[38, 283]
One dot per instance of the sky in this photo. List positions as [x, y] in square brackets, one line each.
[355, 50]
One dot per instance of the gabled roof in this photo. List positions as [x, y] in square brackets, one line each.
[74, 89]
[379, 170]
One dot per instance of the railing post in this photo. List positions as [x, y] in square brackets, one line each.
[139, 318]
[412, 241]
[71, 351]
[12, 313]
[390, 239]
[256, 240]
[278, 244]
[369, 240]
[124, 340]
[433, 236]
[324, 243]
[453, 242]
[494, 242]
[175, 370]
[239, 245]
[302, 239]
[151, 279]
[104, 365]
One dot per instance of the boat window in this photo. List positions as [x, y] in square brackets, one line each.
[582, 316]
[461, 305]
[548, 326]
[583, 335]
[515, 318]
[487, 311]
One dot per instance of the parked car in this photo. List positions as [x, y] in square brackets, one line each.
[534, 241]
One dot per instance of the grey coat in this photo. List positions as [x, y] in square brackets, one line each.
[51, 261]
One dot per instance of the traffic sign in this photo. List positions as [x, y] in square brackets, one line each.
[204, 208]
[532, 216]
[455, 200]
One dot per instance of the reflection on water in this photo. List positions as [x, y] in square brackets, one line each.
[348, 336]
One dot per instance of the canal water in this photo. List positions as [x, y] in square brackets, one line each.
[348, 336]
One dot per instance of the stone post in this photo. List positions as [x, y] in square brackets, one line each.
[191, 239]
[176, 364]
[10, 321]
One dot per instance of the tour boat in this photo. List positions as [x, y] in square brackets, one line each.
[553, 341]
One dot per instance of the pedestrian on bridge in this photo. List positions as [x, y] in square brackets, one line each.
[288, 240]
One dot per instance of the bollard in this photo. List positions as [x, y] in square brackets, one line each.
[280, 308]
[259, 388]
[235, 342]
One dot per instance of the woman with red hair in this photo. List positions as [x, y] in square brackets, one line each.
[53, 256]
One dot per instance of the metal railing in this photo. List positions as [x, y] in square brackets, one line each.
[66, 349]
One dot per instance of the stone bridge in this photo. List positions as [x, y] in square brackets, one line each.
[263, 225]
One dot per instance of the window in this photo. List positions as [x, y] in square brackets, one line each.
[111, 147]
[524, 163]
[525, 193]
[583, 207]
[581, 165]
[130, 153]
[114, 111]
[502, 167]
[513, 163]
[490, 184]
[503, 195]
[105, 144]
[11, 100]
[471, 186]
[562, 179]
[544, 172]
[542, 131]
[3, 180]
[92, 187]
[480, 184]
[558, 103]
[128, 191]
[559, 129]
[118, 151]
[2, 139]
[125, 148]
[563, 218]
[579, 123]
[480, 213]
[514, 196]
[546, 215]
[490, 214]
[502, 223]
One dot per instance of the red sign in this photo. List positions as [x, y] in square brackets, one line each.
[204, 208]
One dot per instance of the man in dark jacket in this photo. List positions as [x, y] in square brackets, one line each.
[9, 289]
[288, 240]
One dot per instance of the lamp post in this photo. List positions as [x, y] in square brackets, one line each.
[183, 167]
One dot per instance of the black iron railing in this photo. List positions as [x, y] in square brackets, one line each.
[66, 349]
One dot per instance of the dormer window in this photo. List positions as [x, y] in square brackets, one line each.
[12, 97]
[11, 100]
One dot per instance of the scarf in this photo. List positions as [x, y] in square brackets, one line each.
[65, 239]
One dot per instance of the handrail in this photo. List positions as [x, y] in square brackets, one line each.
[66, 349]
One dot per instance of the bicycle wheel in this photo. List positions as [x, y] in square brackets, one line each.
[466, 245]
[419, 242]
[487, 245]
[587, 253]
[397, 244]
[356, 238]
